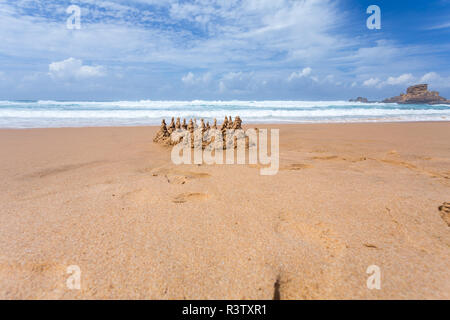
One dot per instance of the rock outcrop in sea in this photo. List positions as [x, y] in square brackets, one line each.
[418, 94]
[359, 99]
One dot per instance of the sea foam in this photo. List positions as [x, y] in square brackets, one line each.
[35, 114]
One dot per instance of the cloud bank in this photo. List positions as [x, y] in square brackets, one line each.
[278, 49]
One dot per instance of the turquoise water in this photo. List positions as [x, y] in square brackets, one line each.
[44, 114]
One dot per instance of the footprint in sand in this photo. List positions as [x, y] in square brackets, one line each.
[392, 153]
[334, 157]
[325, 158]
[322, 234]
[62, 169]
[413, 167]
[297, 166]
[43, 279]
[188, 196]
[445, 212]
[315, 259]
[174, 176]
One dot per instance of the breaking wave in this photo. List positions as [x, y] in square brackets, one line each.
[34, 114]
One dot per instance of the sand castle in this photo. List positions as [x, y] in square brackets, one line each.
[172, 134]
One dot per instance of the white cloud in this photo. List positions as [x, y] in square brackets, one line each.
[430, 76]
[444, 25]
[406, 78]
[191, 79]
[388, 58]
[305, 72]
[372, 82]
[74, 68]
[240, 82]
[188, 78]
[434, 79]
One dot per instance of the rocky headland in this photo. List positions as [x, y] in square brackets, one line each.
[418, 94]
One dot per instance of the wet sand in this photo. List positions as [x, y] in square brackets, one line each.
[109, 200]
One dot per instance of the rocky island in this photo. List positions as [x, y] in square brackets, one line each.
[418, 94]
[359, 99]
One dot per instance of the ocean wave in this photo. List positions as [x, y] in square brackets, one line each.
[197, 103]
[49, 113]
[219, 113]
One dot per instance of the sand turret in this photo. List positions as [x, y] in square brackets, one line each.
[190, 126]
[171, 127]
[162, 133]
[202, 125]
[230, 123]
[224, 124]
[237, 123]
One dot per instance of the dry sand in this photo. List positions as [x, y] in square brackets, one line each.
[110, 201]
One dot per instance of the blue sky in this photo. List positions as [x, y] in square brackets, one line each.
[221, 49]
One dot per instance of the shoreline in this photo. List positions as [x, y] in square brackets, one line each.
[247, 124]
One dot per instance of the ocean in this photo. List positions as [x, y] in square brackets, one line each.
[50, 114]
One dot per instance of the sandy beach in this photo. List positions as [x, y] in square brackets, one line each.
[110, 201]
